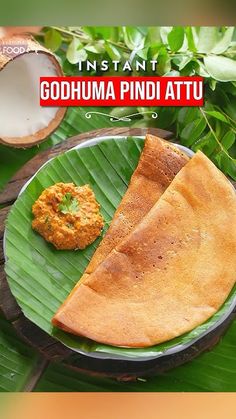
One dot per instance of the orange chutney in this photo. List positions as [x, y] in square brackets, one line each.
[68, 216]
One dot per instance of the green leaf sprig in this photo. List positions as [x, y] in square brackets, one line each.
[68, 204]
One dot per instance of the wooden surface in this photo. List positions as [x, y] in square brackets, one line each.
[50, 348]
[26, 329]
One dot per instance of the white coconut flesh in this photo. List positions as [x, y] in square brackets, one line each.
[20, 112]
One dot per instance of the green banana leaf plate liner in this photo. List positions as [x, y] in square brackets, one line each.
[41, 277]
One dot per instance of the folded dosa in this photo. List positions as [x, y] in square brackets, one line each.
[172, 272]
[159, 162]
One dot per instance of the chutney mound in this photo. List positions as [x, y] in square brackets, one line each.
[68, 216]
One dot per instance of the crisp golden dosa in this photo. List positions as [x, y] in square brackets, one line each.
[172, 272]
[159, 162]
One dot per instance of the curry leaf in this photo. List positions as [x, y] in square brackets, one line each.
[190, 38]
[208, 37]
[218, 116]
[202, 71]
[76, 52]
[220, 68]
[231, 168]
[112, 51]
[192, 131]
[133, 37]
[202, 142]
[207, 144]
[153, 36]
[184, 61]
[143, 53]
[110, 33]
[187, 114]
[97, 48]
[164, 32]
[224, 42]
[53, 39]
[224, 162]
[212, 84]
[228, 140]
[176, 38]
[164, 63]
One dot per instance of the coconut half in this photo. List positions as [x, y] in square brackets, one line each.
[23, 122]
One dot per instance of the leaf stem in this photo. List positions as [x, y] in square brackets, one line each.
[116, 44]
[73, 34]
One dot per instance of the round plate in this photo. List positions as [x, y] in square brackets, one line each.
[81, 345]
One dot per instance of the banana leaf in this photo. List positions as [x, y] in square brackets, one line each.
[212, 371]
[17, 361]
[41, 277]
